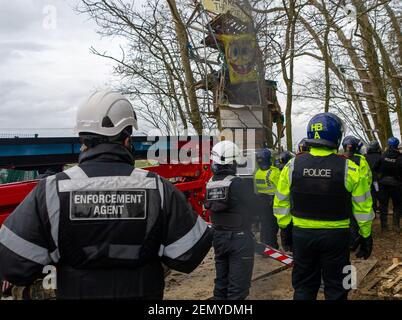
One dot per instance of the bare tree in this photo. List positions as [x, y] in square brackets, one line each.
[151, 64]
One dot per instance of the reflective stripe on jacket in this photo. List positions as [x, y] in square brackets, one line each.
[266, 180]
[355, 182]
[30, 237]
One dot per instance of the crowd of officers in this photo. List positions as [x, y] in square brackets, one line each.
[321, 201]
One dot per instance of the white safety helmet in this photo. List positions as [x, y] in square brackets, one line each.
[226, 152]
[106, 113]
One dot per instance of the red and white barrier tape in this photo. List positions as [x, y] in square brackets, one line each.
[278, 255]
[5, 286]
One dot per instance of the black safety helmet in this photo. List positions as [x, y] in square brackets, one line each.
[284, 158]
[303, 146]
[351, 144]
[374, 147]
[224, 168]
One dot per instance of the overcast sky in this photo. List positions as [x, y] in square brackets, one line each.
[46, 68]
[45, 64]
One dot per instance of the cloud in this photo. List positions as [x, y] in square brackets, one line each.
[45, 73]
[10, 50]
[17, 16]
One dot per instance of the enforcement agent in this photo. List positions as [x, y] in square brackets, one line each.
[319, 191]
[265, 179]
[231, 205]
[105, 225]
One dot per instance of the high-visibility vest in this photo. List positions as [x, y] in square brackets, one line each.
[263, 183]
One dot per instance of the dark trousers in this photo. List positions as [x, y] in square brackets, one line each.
[320, 253]
[374, 195]
[354, 230]
[395, 194]
[234, 261]
[269, 224]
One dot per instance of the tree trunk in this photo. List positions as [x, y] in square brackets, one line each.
[326, 57]
[182, 38]
[373, 64]
[363, 74]
[289, 77]
[349, 85]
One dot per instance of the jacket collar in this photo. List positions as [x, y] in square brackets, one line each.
[107, 152]
[321, 151]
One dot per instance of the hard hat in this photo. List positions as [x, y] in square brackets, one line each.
[373, 147]
[106, 113]
[226, 152]
[325, 129]
[264, 158]
[351, 144]
[393, 143]
[303, 146]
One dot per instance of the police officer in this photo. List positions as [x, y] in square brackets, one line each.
[266, 178]
[319, 191]
[373, 157]
[390, 175]
[283, 158]
[303, 146]
[351, 147]
[230, 201]
[107, 226]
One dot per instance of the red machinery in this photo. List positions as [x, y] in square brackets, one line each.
[35, 153]
[11, 195]
[191, 179]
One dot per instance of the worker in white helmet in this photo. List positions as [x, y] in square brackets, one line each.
[230, 201]
[107, 226]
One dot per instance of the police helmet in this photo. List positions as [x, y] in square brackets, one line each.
[264, 158]
[393, 143]
[284, 158]
[351, 144]
[303, 146]
[326, 130]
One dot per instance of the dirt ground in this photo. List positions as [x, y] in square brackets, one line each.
[272, 281]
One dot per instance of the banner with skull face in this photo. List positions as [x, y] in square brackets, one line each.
[240, 52]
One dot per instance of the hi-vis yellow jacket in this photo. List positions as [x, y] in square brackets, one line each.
[365, 169]
[356, 182]
[266, 181]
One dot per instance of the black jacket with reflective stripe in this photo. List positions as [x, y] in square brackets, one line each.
[240, 207]
[39, 232]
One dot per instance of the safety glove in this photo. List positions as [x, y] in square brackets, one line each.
[355, 243]
[365, 247]
[286, 238]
